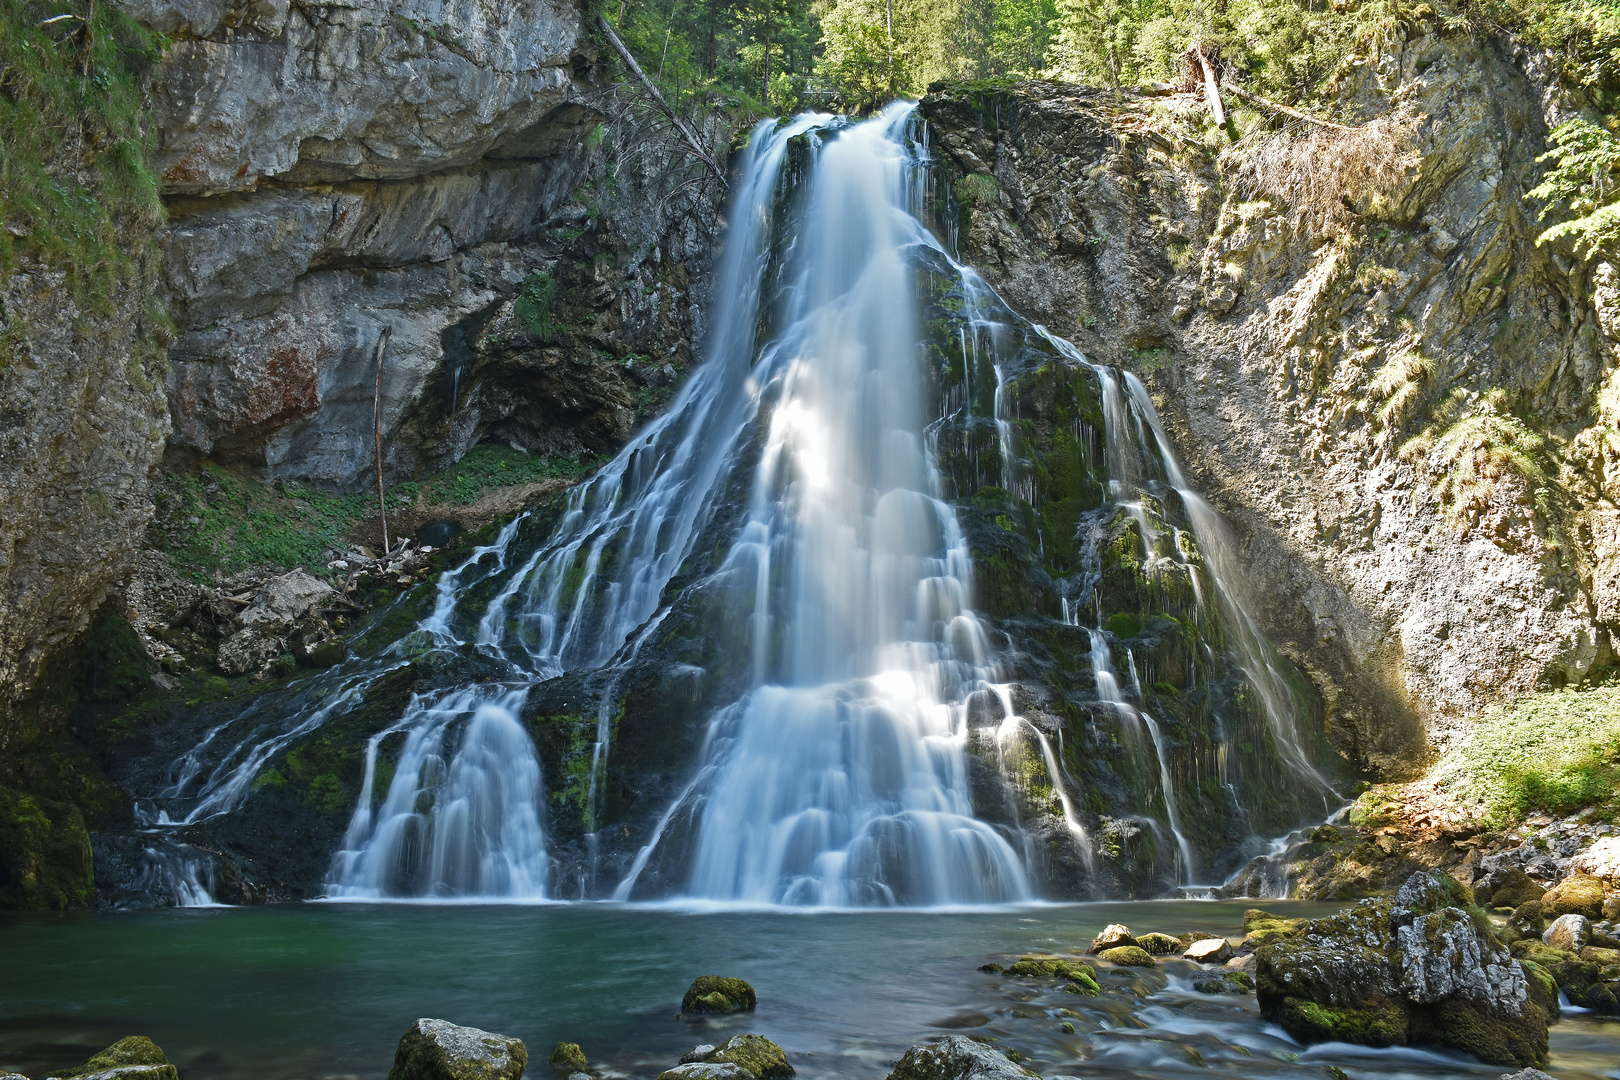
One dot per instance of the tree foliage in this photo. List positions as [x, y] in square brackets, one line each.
[1585, 182]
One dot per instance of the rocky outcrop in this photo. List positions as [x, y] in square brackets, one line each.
[1276, 353]
[1412, 969]
[132, 1058]
[956, 1057]
[440, 1050]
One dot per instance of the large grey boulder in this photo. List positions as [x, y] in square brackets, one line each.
[285, 599]
[440, 1050]
[1411, 969]
[1571, 933]
[957, 1057]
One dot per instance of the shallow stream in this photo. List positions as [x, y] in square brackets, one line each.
[325, 990]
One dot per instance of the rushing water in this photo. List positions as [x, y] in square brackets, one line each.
[838, 776]
[324, 991]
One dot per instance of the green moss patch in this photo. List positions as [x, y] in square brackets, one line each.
[1554, 752]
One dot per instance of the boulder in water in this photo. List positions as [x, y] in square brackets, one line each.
[1578, 894]
[132, 1058]
[1113, 936]
[567, 1059]
[1159, 944]
[1224, 982]
[1079, 976]
[741, 1057]
[716, 994]
[1568, 933]
[1412, 969]
[439, 1050]
[1209, 951]
[1129, 956]
[957, 1057]
[1527, 1074]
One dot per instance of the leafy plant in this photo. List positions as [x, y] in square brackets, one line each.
[1586, 181]
[1397, 388]
[533, 306]
[1478, 450]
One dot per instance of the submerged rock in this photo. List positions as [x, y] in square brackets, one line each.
[957, 1057]
[741, 1057]
[1413, 969]
[1224, 982]
[1113, 936]
[717, 994]
[132, 1058]
[1079, 976]
[439, 1050]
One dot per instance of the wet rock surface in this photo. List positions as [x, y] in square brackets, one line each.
[440, 1050]
[1412, 969]
[956, 1057]
[132, 1058]
[717, 994]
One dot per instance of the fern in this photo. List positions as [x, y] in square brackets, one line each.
[1475, 453]
[1398, 386]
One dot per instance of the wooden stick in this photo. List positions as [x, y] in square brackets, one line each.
[658, 98]
[376, 427]
[1284, 109]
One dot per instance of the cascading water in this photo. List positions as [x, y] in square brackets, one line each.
[805, 454]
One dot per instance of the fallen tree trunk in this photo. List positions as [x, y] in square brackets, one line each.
[1284, 109]
[1212, 91]
[658, 99]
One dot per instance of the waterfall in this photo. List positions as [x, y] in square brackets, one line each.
[795, 482]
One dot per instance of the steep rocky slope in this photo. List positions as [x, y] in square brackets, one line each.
[1276, 350]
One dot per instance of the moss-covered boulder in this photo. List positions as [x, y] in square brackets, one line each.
[717, 994]
[439, 1050]
[1159, 944]
[1129, 956]
[741, 1057]
[1412, 969]
[1578, 894]
[568, 1058]
[1078, 975]
[132, 1058]
[957, 1057]
[1262, 928]
[1515, 888]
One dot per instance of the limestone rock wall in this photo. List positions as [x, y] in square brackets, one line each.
[335, 172]
[1106, 219]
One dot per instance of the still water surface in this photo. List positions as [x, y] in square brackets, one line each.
[319, 991]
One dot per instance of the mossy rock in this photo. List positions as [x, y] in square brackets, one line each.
[755, 1053]
[1603, 997]
[1263, 928]
[717, 994]
[439, 1050]
[1225, 982]
[1326, 834]
[134, 1052]
[1495, 1038]
[1080, 977]
[1160, 944]
[1129, 956]
[1516, 889]
[1543, 988]
[45, 861]
[1580, 894]
[568, 1058]
[1378, 1022]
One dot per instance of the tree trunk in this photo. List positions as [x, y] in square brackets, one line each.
[658, 99]
[376, 430]
[1212, 92]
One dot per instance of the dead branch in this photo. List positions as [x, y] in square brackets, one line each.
[1212, 91]
[376, 417]
[658, 99]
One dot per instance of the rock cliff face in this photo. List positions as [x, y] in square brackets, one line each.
[1277, 354]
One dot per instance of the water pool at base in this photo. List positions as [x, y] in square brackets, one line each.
[326, 990]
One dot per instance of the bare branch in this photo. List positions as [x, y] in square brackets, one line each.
[658, 98]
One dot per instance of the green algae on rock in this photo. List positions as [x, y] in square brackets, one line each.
[717, 994]
[1079, 976]
[1159, 944]
[440, 1050]
[134, 1057]
[755, 1053]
